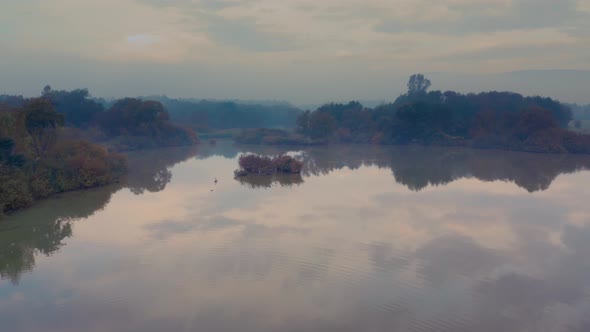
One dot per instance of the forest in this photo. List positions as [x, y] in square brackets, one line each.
[501, 120]
[65, 140]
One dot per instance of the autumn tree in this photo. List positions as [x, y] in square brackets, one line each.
[534, 120]
[322, 125]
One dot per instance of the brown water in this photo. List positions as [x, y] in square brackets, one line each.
[367, 239]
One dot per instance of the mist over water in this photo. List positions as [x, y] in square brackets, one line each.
[366, 239]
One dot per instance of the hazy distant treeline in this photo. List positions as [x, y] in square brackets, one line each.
[205, 115]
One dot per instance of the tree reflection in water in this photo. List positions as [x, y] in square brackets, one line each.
[267, 181]
[420, 167]
[43, 229]
[150, 170]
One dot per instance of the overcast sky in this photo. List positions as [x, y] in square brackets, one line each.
[304, 51]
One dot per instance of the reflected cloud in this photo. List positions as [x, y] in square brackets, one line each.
[168, 228]
[449, 257]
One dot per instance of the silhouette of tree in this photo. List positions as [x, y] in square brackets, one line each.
[78, 107]
[418, 84]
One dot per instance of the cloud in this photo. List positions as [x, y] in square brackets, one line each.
[583, 6]
[364, 46]
[462, 17]
[245, 34]
[142, 39]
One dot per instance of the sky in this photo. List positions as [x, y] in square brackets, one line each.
[302, 51]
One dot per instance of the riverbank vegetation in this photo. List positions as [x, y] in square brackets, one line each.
[127, 124]
[36, 160]
[66, 140]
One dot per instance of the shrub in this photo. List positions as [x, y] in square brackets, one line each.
[80, 164]
[254, 164]
[14, 191]
[287, 164]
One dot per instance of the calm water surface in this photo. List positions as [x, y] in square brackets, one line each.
[367, 239]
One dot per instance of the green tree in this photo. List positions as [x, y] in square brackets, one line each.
[7, 155]
[42, 123]
[418, 84]
[77, 105]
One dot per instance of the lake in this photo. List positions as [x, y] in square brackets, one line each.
[366, 239]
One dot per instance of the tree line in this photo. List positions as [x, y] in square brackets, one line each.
[503, 120]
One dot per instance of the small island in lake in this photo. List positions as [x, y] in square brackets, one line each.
[265, 165]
